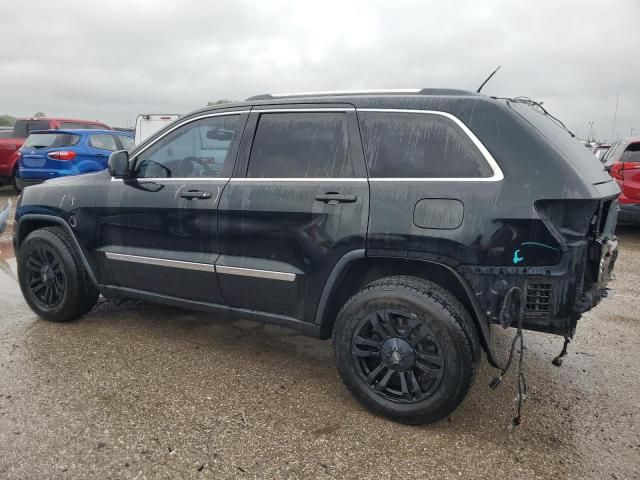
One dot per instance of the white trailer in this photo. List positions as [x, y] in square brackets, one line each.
[149, 123]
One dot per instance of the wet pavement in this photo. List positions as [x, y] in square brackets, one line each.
[142, 391]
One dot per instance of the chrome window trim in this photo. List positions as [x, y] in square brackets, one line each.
[176, 179]
[296, 179]
[309, 109]
[185, 122]
[495, 168]
[252, 272]
[161, 262]
[203, 267]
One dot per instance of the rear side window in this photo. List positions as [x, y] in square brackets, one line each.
[419, 145]
[23, 128]
[127, 142]
[631, 154]
[73, 125]
[103, 141]
[50, 140]
[301, 145]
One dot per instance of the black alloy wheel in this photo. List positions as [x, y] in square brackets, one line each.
[398, 356]
[46, 277]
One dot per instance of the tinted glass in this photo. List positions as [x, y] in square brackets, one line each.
[103, 141]
[127, 142]
[195, 150]
[23, 128]
[413, 145]
[298, 145]
[73, 125]
[632, 153]
[50, 140]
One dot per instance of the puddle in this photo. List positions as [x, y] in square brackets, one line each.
[8, 269]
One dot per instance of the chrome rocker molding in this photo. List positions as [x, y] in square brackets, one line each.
[204, 267]
[161, 262]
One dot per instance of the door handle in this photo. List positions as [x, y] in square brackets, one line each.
[332, 198]
[101, 155]
[195, 194]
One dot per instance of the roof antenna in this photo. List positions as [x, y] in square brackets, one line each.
[488, 78]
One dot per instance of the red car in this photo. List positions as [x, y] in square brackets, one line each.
[23, 127]
[622, 161]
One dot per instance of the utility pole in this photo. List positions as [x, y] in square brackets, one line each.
[615, 117]
[590, 139]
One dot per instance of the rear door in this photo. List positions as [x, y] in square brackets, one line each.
[297, 203]
[158, 230]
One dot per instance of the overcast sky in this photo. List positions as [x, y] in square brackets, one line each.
[112, 60]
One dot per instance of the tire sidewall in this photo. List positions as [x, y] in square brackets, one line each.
[71, 284]
[458, 362]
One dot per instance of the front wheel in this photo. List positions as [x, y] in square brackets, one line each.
[406, 349]
[52, 277]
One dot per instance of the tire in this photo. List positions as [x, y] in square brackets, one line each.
[406, 349]
[14, 183]
[52, 277]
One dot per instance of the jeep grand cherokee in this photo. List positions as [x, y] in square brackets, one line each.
[400, 224]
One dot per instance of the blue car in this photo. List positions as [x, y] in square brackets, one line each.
[57, 153]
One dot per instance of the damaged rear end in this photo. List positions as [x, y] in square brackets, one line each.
[576, 247]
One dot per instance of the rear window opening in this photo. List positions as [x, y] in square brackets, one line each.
[631, 154]
[51, 140]
[411, 145]
[23, 128]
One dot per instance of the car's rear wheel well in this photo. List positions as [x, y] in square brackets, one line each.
[363, 271]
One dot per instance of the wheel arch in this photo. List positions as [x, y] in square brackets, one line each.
[356, 270]
[31, 222]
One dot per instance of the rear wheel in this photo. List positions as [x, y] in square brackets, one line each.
[52, 277]
[14, 182]
[407, 349]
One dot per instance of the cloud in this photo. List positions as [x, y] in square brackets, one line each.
[113, 60]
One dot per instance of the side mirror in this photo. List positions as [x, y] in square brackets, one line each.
[119, 164]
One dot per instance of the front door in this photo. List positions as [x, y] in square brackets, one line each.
[158, 230]
[298, 202]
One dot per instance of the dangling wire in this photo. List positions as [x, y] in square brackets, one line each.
[522, 384]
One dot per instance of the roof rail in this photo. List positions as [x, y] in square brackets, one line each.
[381, 91]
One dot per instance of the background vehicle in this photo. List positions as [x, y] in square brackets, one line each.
[396, 224]
[149, 123]
[21, 130]
[622, 161]
[6, 132]
[600, 149]
[58, 153]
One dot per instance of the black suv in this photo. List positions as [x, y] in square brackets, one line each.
[400, 224]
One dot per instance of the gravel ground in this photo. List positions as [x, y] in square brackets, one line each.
[141, 391]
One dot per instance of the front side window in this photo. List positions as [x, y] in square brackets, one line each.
[103, 141]
[419, 145]
[199, 149]
[301, 145]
